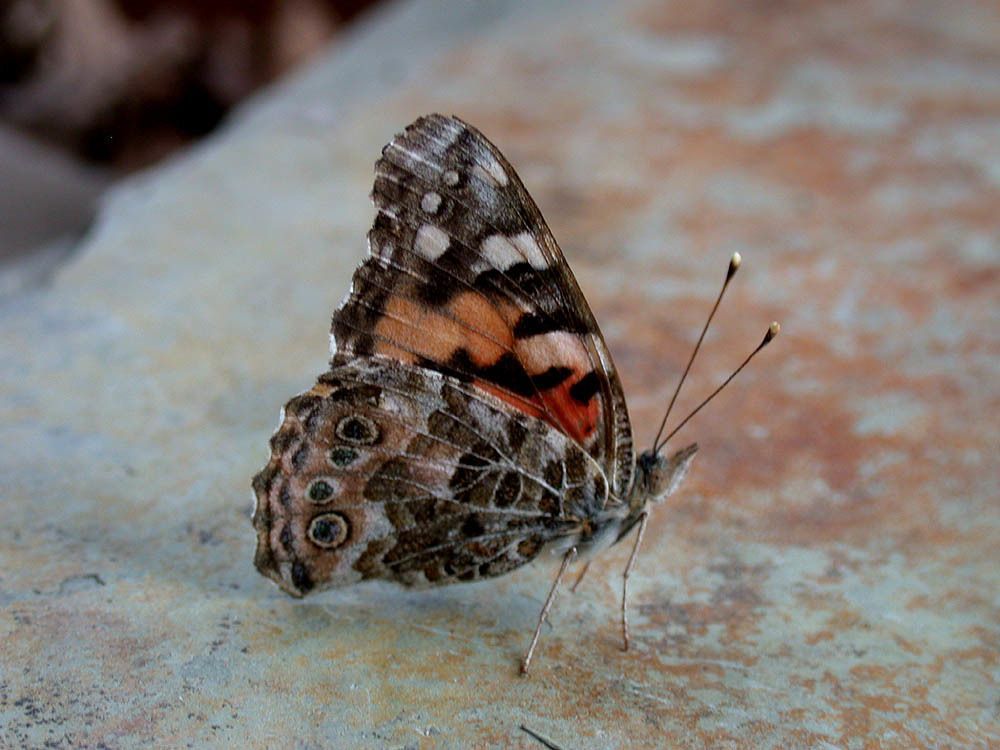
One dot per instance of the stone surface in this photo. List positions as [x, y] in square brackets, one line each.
[827, 577]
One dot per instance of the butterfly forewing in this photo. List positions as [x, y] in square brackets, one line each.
[464, 278]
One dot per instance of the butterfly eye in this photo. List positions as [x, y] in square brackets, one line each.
[342, 457]
[328, 531]
[320, 490]
[357, 429]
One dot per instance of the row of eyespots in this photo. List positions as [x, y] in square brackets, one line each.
[330, 530]
[356, 429]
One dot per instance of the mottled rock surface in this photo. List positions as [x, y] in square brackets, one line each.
[828, 575]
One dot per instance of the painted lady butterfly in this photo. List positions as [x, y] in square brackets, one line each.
[471, 418]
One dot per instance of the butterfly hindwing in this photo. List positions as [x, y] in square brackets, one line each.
[464, 278]
[390, 471]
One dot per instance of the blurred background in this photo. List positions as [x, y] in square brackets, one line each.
[91, 90]
[828, 576]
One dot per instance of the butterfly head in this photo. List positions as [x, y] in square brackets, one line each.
[660, 475]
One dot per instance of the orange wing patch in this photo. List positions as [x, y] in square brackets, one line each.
[474, 336]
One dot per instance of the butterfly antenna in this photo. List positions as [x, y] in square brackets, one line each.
[734, 265]
[772, 331]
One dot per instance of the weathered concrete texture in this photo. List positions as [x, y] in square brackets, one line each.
[828, 576]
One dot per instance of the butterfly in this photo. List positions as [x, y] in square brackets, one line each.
[471, 419]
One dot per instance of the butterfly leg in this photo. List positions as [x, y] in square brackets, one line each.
[628, 572]
[579, 578]
[567, 559]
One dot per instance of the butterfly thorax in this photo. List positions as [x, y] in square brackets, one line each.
[656, 477]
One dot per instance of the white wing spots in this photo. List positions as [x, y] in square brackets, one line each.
[450, 178]
[558, 348]
[431, 242]
[487, 174]
[526, 243]
[430, 203]
[504, 252]
[500, 252]
[488, 168]
[494, 168]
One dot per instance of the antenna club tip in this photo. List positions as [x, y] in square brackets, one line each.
[734, 265]
[772, 330]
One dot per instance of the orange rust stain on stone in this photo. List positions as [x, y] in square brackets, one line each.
[907, 645]
[696, 675]
[822, 635]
